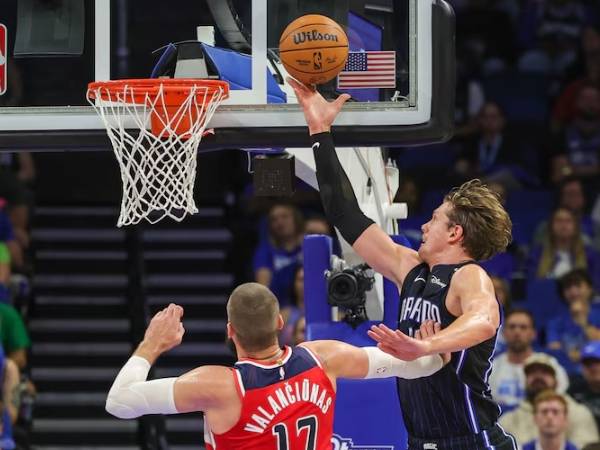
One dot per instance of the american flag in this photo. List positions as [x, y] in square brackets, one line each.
[373, 69]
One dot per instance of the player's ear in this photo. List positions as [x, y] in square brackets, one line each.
[280, 322]
[456, 233]
[230, 330]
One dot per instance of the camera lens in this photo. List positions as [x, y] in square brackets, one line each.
[343, 288]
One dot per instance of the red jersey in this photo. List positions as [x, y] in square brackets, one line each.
[287, 405]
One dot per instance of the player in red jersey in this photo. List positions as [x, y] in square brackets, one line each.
[279, 398]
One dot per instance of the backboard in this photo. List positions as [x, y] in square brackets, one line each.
[54, 48]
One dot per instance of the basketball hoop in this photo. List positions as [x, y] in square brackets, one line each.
[158, 164]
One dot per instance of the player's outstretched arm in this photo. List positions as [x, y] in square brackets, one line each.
[131, 395]
[479, 318]
[339, 202]
[342, 360]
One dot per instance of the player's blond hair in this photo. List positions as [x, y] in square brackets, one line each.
[252, 310]
[486, 224]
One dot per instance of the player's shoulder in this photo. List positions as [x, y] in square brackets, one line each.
[472, 279]
[316, 349]
[323, 352]
[470, 271]
[213, 375]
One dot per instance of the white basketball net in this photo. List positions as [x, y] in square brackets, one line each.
[158, 172]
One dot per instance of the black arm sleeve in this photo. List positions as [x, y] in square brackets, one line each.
[337, 195]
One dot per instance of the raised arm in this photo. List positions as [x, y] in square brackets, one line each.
[478, 318]
[339, 202]
[131, 395]
[342, 360]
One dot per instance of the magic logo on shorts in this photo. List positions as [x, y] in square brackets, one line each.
[340, 443]
[3, 58]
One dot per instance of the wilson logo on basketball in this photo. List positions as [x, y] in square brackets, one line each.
[314, 35]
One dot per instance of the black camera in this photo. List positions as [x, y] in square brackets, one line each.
[347, 288]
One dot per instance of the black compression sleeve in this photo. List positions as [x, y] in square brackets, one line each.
[337, 195]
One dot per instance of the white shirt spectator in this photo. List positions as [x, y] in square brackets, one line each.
[507, 381]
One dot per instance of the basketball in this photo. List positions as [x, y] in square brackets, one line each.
[313, 49]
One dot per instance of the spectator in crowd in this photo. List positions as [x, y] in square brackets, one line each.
[11, 379]
[551, 30]
[4, 272]
[485, 35]
[470, 98]
[317, 225]
[550, 412]
[17, 173]
[13, 334]
[563, 249]
[570, 333]
[7, 236]
[292, 313]
[571, 195]
[576, 149]
[502, 290]
[565, 108]
[586, 390]
[540, 375]
[408, 192]
[277, 256]
[300, 331]
[9, 404]
[577, 285]
[491, 152]
[596, 222]
[507, 380]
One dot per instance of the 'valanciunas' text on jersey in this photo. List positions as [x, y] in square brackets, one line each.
[287, 405]
[455, 401]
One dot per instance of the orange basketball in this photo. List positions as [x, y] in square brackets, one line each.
[313, 49]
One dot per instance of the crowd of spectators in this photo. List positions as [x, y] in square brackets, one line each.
[16, 200]
[17, 176]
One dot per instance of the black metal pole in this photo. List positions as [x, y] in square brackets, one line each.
[151, 429]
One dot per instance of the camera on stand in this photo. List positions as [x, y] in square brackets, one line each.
[347, 288]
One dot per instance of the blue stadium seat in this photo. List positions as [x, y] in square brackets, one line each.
[523, 97]
[543, 301]
[525, 200]
[527, 208]
[435, 155]
[502, 265]
[432, 199]
[525, 223]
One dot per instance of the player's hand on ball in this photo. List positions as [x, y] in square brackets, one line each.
[165, 330]
[319, 113]
[428, 329]
[398, 344]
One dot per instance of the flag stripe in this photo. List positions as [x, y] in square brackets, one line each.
[369, 69]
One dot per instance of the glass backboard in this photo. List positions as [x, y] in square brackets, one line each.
[54, 48]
